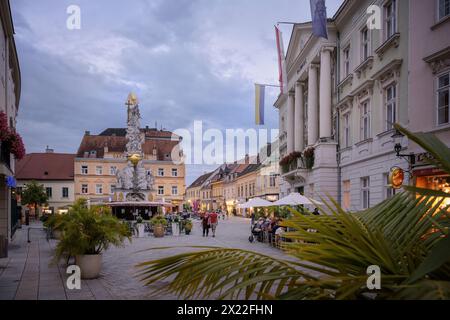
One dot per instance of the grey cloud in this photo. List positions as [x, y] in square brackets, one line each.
[187, 60]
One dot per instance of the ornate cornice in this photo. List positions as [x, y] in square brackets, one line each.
[365, 89]
[367, 64]
[388, 70]
[345, 103]
[439, 60]
[393, 41]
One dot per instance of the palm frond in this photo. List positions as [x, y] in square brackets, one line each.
[222, 273]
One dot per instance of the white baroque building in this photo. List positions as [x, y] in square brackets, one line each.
[344, 95]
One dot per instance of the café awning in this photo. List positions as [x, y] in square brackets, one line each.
[256, 203]
[296, 199]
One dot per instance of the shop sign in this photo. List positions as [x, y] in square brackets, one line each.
[396, 178]
[423, 159]
[11, 182]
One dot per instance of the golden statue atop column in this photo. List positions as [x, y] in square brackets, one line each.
[134, 178]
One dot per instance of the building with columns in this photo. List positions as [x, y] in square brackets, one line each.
[345, 93]
[306, 118]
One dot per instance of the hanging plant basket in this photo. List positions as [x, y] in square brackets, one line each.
[10, 138]
[287, 162]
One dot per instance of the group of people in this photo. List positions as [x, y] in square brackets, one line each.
[210, 220]
[271, 227]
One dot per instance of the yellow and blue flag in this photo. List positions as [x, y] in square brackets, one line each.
[260, 92]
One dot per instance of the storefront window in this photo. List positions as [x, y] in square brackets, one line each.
[439, 182]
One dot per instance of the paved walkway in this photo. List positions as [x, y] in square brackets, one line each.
[28, 274]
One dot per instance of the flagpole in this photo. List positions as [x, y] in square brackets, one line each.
[268, 85]
[284, 22]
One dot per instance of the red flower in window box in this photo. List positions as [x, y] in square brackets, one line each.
[4, 130]
[11, 138]
[16, 144]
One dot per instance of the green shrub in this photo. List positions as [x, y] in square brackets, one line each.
[159, 220]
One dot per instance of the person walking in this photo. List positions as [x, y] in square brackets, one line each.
[205, 224]
[213, 220]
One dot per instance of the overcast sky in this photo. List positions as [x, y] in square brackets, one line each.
[185, 59]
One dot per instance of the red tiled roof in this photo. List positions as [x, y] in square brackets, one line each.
[46, 166]
[115, 143]
[149, 132]
[200, 180]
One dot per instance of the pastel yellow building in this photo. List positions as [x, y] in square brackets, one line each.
[218, 200]
[100, 157]
[246, 186]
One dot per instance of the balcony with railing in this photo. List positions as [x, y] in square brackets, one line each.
[297, 161]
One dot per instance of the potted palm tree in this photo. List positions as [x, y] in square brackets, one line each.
[140, 227]
[159, 226]
[87, 233]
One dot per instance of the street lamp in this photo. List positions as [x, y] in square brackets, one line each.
[398, 138]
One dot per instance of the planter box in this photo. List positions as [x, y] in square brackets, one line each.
[90, 265]
[141, 230]
[175, 229]
[158, 231]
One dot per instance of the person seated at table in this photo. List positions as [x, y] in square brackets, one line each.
[257, 229]
[273, 223]
[279, 235]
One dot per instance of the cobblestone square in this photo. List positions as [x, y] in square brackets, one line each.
[28, 274]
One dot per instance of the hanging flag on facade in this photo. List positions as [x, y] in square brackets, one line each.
[260, 92]
[319, 18]
[281, 61]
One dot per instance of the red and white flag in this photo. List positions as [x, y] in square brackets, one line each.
[281, 61]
